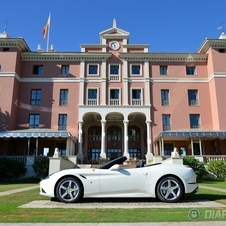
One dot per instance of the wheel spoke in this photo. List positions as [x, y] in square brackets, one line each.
[65, 193]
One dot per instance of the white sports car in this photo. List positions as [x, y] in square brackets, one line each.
[168, 182]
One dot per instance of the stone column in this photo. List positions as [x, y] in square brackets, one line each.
[103, 141]
[162, 146]
[80, 154]
[192, 149]
[200, 146]
[149, 155]
[126, 152]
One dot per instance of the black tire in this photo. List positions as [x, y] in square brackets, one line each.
[169, 189]
[69, 190]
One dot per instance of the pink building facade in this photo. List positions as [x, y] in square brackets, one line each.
[111, 99]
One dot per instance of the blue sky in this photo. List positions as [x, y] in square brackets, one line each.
[167, 25]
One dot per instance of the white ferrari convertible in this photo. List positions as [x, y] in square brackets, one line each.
[167, 182]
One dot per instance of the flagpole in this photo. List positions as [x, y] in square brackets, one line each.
[47, 45]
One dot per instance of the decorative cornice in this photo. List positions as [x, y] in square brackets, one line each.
[136, 46]
[166, 57]
[59, 56]
[212, 43]
[15, 42]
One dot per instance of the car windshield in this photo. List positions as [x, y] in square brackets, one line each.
[108, 165]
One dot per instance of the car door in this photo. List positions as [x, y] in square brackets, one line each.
[120, 181]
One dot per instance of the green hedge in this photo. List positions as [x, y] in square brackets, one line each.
[41, 167]
[218, 169]
[197, 166]
[11, 169]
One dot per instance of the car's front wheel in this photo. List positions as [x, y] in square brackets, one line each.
[69, 190]
[169, 189]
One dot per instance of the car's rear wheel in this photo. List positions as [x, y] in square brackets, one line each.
[170, 189]
[69, 190]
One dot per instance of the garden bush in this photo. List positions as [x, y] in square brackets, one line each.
[218, 169]
[11, 169]
[41, 167]
[197, 166]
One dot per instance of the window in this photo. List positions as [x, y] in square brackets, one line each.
[92, 97]
[114, 72]
[166, 122]
[221, 50]
[62, 122]
[163, 70]
[168, 148]
[35, 97]
[190, 70]
[134, 153]
[165, 97]
[136, 97]
[95, 133]
[193, 97]
[136, 69]
[38, 69]
[65, 69]
[93, 69]
[114, 97]
[94, 154]
[114, 69]
[194, 121]
[5, 49]
[134, 133]
[63, 97]
[33, 121]
[114, 134]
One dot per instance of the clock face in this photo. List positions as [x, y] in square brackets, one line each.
[114, 45]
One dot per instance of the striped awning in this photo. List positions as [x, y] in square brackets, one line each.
[34, 133]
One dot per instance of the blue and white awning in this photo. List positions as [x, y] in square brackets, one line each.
[194, 133]
[34, 133]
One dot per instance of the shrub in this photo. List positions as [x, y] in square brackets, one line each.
[197, 166]
[41, 167]
[11, 169]
[217, 168]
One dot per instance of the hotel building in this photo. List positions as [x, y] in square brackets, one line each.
[111, 99]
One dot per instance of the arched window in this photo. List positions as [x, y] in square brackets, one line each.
[114, 133]
[94, 133]
[134, 133]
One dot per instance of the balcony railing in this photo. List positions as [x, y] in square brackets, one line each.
[62, 128]
[114, 78]
[114, 102]
[165, 103]
[92, 102]
[193, 102]
[63, 102]
[197, 126]
[166, 128]
[136, 102]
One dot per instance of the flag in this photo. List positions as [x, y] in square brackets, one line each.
[46, 27]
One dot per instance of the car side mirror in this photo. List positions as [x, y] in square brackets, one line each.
[114, 167]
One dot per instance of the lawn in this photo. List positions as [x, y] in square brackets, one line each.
[214, 184]
[11, 213]
[10, 186]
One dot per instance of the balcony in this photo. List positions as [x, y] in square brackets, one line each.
[195, 126]
[114, 102]
[63, 102]
[114, 78]
[92, 101]
[166, 127]
[62, 128]
[136, 102]
[165, 103]
[193, 102]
